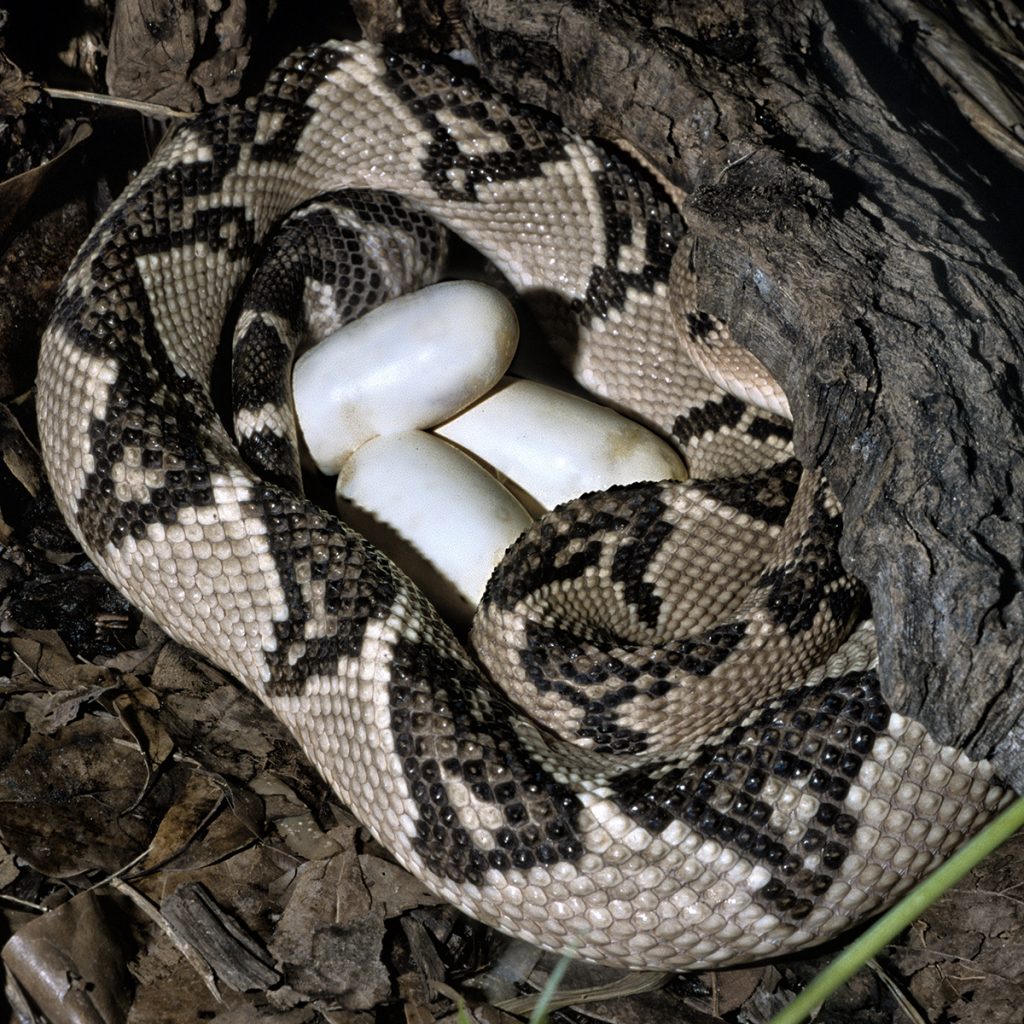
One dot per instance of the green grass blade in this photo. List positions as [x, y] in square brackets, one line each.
[547, 993]
[887, 927]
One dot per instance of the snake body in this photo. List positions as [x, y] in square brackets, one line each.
[725, 828]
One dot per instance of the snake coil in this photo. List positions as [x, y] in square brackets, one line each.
[715, 778]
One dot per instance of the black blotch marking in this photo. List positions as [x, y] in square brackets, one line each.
[626, 201]
[793, 592]
[709, 418]
[766, 494]
[646, 532]
[805, 737]
[550, 662]
[521, 148]
[311, 549]
[434, 697]
[154, 411]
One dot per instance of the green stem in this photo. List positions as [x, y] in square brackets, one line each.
[548, 993]
[887, 927]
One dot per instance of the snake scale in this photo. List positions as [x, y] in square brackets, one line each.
[724, 827]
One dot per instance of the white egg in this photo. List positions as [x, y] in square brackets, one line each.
[555, 446]
[415, 361]
[434, 511]
[364, 395]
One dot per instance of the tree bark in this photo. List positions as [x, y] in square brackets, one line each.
[853, 170]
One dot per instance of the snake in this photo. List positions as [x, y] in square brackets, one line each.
[693, 763]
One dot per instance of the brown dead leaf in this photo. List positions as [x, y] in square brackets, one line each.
[415, 997]
[293, 819]
[249, 1014]
[229, 731]
[731, 989]
[19, 455]
[8, 867]
[16, 192]
[43, 661]
[189, 814]
[137, 709]
[65, 800]
[330, 936]
[71, 962]
[392, 888]
[232, 827]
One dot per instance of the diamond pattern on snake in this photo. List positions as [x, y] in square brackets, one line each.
[668, 748]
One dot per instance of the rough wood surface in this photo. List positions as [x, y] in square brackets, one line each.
[853, 171]
[151, 41]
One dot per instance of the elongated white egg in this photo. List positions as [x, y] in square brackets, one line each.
[555, 446]
[415, 361]
[434, 511]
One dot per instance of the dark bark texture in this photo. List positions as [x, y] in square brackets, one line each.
[853, 171]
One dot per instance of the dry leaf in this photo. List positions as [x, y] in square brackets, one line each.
[72, 963]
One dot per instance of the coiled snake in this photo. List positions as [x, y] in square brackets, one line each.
[727, 826]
